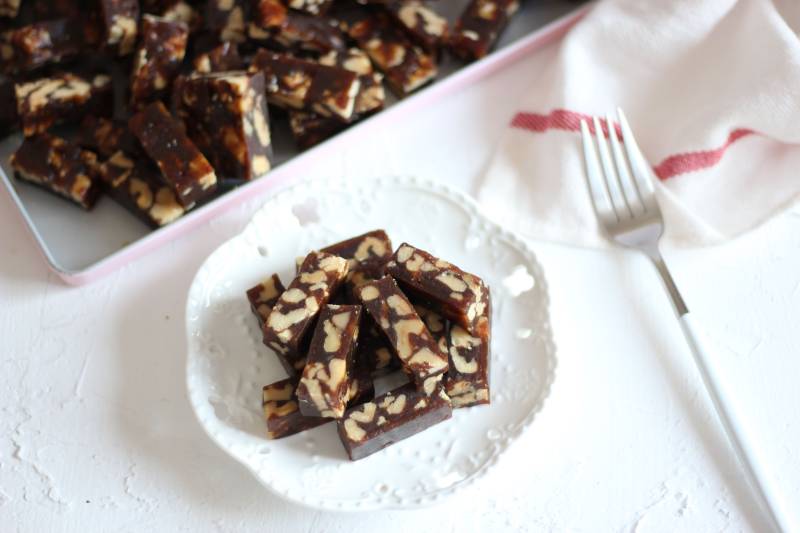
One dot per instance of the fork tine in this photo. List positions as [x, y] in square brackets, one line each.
[629, 189]
[639, 167]
[612, 180]
[597, 184]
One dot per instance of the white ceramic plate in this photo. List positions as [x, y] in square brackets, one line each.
[228, 365]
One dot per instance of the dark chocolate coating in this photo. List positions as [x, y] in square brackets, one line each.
[58, 166]
[38, 44]
[222, 58]
[107, 137]
[325, 383]
[422, 24]
[295, 32]
[182, 165]
[227, 19]
[367, 256]
[120, 25]
[390, 418]
[298, 307]
[421, 356]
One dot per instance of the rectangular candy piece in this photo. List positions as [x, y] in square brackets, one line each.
[479, 27]
[425, 26]
[300, 84]
[457, 295]
[227, 19]
[325, 382]
[366, 254]
[406, 66]
[61, 98]
[38, 44]
[264, 296]
[222, 58]
[310, 129]
[283, 416]
[390, 418]
[120, 22]
[106, 136]
[313, 7]
[157, 60]
[467, 380]
[58, 166]
[371, 96]
[421, 356]
[286, 328]
[227, 119]
[294, 32]
[182, 165]
[137, 187]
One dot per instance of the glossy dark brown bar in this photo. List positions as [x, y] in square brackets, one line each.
[45, 42]
[120, 25]
[460, 296]
[225, 114]
[58, 166]
[287, 326]
[157, 60]
[477, 30]
[182, 165]
[467, 380]
[390, 418]
[325, 383]
[222, 58]
[426, 27]
[367, 256]
[61, 98]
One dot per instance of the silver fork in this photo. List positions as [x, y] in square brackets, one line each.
[620, 182]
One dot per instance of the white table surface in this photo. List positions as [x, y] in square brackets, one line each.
[96, 433]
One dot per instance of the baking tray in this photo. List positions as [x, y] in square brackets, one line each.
[81, 247]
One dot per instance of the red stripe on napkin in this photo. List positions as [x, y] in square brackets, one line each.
[674, 165]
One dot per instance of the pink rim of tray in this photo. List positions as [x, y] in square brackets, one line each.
[298, 164]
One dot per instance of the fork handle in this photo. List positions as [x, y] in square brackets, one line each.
[756, 475]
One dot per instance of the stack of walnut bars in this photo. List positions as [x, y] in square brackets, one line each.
[199, 84]
[355, 312]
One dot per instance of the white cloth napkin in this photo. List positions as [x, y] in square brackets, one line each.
[712, 91]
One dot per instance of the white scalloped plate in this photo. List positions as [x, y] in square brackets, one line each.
[227, 364]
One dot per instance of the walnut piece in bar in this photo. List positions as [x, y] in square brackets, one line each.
[406, 66]
[324, 385]
[467, 380]
[58, 166]
[283, 415]
[421, 356]
[61, 98]
[299, 84]
[137, 187]
[120, 25]
[30, 47]
[157, 59]
[390, 418]
[460, 296]
[286, 328]
[221, 58]
[226, 116]
[479, 26]
[182, 165]
[264, 296]
[294, 32]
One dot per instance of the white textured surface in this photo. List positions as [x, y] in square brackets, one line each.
[96, 433]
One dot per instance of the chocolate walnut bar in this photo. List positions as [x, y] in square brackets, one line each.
[325, 382]
[264, 296]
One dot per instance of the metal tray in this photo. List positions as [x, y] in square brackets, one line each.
[80, 247]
